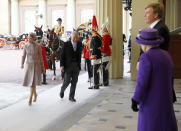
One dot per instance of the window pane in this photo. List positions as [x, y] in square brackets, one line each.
[86, 14]
[29, 20]
[57, 14]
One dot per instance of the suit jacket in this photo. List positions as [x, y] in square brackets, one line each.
[66, 55]
[164, 32]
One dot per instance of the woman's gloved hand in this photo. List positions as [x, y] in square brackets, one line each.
[134, 106]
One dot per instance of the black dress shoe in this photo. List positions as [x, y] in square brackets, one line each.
[106, 83]
[92, 87]
[61, 95]
[72, 99]
[96, 87]
[44, 83]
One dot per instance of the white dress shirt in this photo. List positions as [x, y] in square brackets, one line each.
[154, 23]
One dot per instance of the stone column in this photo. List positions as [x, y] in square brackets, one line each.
[70, 15]
[14, 17]
[42, 13]
[112, 9]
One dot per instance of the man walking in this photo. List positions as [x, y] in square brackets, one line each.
[70, 63]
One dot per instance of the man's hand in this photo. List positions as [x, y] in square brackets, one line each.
[62, 68]
[134, 106]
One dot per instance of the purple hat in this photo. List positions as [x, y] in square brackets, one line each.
[149, 36]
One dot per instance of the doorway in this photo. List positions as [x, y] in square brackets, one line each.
[127, 25]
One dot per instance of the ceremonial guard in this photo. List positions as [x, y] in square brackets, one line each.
[44, 54]
[59, 29]
[86, 53]
[95, 52]
[106, 53]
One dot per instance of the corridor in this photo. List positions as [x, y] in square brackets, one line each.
[107, 109]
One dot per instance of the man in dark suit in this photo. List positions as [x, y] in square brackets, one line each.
[154, 14]
[70, 63]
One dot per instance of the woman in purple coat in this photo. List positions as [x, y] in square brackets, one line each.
[154, 88]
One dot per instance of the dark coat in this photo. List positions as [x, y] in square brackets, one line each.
[95, 47]
[66, 55]
[154, 92]
[164, 32]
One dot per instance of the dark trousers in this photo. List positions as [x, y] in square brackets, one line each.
[44, 77]
[105, 74]
[62, 74]
[71, 76]
[50, 64]
[89, 68]
[96, 74]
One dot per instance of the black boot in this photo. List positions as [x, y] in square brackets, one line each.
[44, 79]
[94, 87]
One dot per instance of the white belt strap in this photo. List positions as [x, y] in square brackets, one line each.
[96, 61]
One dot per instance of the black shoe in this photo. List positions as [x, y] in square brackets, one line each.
[72, 99]
[106, 83]
[92, 87]
[100, 84]
[44, 83]
[96, 87]
[61, 95]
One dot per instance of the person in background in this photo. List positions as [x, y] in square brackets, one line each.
[129, 47]
[95, 53]
[95, 56]
[34, 66]
[124, 42]
[86, 53]
[59, 29]
[154, 86]
[44, 54]
[106, 53]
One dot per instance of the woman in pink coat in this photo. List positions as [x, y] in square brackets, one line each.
[34, 65]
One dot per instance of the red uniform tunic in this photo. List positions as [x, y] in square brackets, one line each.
[106, 42]
[44, 54]
[86, 51]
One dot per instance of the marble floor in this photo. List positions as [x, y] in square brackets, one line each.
[114, 113]
[106, 109]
